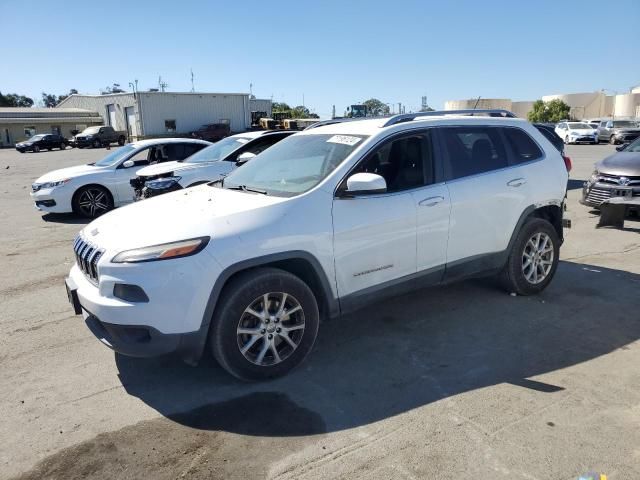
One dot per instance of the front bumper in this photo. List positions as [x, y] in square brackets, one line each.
[52, 200]
[593, 194]
[584, 139]
[171, 320]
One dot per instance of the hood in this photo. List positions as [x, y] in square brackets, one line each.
[167, 167]
[172, 217]
[70, 172]
[158, 169]
[621, 163]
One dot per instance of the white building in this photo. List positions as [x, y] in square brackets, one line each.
[146, 114]
[587, 105]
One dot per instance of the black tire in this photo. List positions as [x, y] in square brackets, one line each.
[63, 146]
[102, 204]
[97, 144]
[514, 278]
[121, 140]
[241, 293]
[612, 140]
[36, 149]
[566, 140]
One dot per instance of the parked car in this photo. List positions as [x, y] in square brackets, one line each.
[42, 141]
[101, 136]
[576, 132]
[618, 175]
[212, 132]
[618, 131]
[327, 220]
[550, 134]
[93, 189]
[205, 166]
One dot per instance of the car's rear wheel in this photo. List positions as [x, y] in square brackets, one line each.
[533, 259]
[92, 201]
[36, 148]
[121, 140]
[265, 325]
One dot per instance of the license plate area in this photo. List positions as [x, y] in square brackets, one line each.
[622, 192]
[72, 295]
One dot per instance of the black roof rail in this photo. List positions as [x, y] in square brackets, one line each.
[407, 117]
[333, 121]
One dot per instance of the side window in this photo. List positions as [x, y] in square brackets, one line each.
[142, 157]
[472, 150]
[609, 125]
[264, 144]
[189, 149]
[522, 145]
[404, 163]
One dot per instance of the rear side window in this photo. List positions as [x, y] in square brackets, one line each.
[522, 145]
[472, 150]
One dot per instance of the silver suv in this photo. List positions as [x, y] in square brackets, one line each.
[618, 131]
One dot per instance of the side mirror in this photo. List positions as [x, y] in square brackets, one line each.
[620, 148]
[244, 158]
[365, 183]
[128, 164]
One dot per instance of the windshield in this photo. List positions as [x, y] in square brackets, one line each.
[115, 156]
[35, 138]
[580, 126]
[295, 164]
[218, 151]
[90, 131]
[620, 124]
[633, 146]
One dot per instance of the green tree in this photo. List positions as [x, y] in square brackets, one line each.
[280, 107]
[49, 100]
[549, 112]
[15, 100]
[302, 112]
[115, 88]
[73, 91]
[376, 107]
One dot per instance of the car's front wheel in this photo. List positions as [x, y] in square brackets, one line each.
[36, 148]
[63, 146]
[533, 259]
[97, 144]
[92, 201]
[612, 140]
[566, 140]
[265, 325]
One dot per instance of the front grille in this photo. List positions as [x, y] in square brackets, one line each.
[613, 179]
[87, 256]
[598, 195]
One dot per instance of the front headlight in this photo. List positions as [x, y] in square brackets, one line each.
[165, 251]
[162, 183]
[594, 176]
[59, 183]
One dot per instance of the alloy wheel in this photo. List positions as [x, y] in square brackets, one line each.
[270, 328]
[537, 258]
[93, 202]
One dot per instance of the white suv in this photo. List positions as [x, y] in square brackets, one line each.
[323, 222]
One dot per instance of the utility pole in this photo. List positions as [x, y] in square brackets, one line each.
[333, 112]
[399, 107]
[250, 89]
[162, 85]
[193, 89]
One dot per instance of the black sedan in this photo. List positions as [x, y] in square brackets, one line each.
[42, 141]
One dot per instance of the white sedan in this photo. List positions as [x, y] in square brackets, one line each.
[577, 132]
[93, 189]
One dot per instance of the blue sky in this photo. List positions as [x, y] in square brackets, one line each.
[332, 52]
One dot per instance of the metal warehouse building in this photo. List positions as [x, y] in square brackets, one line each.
[18, 124]
[150, 114]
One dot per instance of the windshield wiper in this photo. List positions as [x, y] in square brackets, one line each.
[244, 188]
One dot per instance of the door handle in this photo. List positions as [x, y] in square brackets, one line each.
[431, 201]
[517, 182]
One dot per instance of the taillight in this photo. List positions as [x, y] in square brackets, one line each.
[567, 162]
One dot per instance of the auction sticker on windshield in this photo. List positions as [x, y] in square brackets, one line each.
[344, 140]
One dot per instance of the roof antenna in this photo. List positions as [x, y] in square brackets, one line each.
[477, 101]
